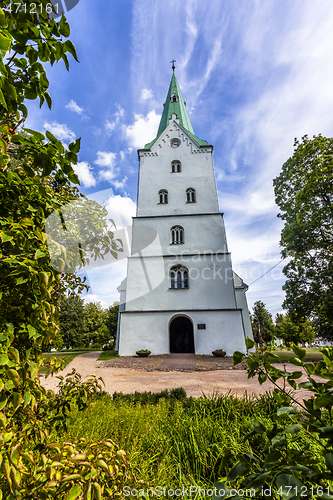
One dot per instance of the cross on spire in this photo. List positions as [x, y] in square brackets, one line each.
[173, 64]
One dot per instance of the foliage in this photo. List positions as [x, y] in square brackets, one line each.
[262, 323]
[287, 462]
[71, 321]
[34, 186]
[112, 319]
[95, 328]
[173, 440]
[304, 193]
[297, 331]
[143, 352]
[82, 324]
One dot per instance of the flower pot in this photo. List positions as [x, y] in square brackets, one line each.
[143, 354]
[219, 353]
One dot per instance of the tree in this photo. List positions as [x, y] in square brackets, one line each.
[94, 324]
[304, 193]
[112, 319]
[262, 323]
[72, 327]
[292, 332]
[34, 186]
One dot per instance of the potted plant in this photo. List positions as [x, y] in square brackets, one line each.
[219, 353]
[143, 353]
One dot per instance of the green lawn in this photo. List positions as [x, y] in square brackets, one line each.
[105, 355]
[312, 354]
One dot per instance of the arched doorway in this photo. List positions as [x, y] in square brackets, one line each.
[181, 335]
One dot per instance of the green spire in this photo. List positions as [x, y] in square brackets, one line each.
[175, 104]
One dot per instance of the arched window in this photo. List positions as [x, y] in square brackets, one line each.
[177, 235]
[163, 196]
[190, 195]
[176, 166]
[174, 98]
[178, 277]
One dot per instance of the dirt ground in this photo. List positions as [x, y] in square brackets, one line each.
[128, 380]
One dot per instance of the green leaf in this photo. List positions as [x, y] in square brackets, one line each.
[292, 429]
[249, 343]
[3, 401]
[222, 491]
[296, 362]
[288, 482]
[39, 254]
[3, 359]
[74, 492]
[329, 461]
[75, 146]
[64, 28]
[21, 280]
[2, 100]
[69, 47]
[300, 353]
[73, 178]
[237, 358]
[5, 43]
[259, 427]
[5, 237]
[48, 99]
[290, 410]
[33, 332]
[37, 135]
[237, 471]
[262, 377]
[325, 401]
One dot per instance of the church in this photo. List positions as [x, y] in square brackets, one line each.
[180, 294]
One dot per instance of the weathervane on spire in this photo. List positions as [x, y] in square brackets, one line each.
[173, 64]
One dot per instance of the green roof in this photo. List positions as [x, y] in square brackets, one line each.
[177, 107]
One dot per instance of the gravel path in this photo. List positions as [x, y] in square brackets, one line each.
[129, 380]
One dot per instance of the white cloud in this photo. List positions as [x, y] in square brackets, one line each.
[74, 107]
[123, 154]
[105, 159]
[119, 184]
[143, 130]
[111, 125]
[60, 131]
[121, 209]
[94, 297]
[83, 171]
[146, 94]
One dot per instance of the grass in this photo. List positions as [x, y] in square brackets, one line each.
[169, 443]
[105, 355]
[174, 441]
[312, 354]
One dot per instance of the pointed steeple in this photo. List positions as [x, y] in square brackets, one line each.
[175, 105]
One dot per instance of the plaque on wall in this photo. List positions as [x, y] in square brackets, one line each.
[201, 326]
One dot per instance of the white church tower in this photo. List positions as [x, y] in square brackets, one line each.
[180, 294]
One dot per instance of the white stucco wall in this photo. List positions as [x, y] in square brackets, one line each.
[155, 174]
[210, 284]
[210, 298]
[224, 330]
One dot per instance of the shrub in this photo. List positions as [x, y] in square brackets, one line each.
[288, 462]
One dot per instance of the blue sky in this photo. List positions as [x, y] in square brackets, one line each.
[255, 75]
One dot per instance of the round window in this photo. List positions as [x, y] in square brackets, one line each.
[175, 143]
